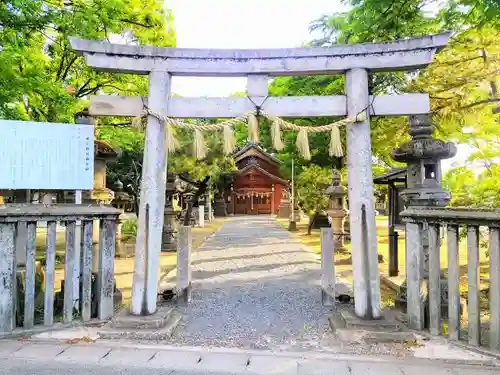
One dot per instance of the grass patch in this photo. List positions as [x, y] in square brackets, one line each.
[124, 267]
[342, 260]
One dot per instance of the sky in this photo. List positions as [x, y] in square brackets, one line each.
[240, 24]
[249, 24]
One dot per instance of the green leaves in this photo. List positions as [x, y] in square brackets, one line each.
[311, 184]
[42, 79]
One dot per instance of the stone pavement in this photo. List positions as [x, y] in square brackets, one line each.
[24, 357]
[255, 287]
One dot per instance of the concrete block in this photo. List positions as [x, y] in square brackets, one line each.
[224, 362]
[177, 360]
[264, 364]
[351, 321]
[129, 357]
[155, 334]
[374, 368]
[40, 351]
[125, 319]
[8, 347]
[84, 353]
[422, 369]
[322, 367]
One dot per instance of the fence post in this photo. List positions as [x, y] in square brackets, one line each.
[201, 216]
[184, 263]
[414, 265]
[7, 277]
[107, 243]
[327, 268]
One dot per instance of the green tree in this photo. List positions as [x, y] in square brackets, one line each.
[311, 184]
[127, 168]
[42, 79]
[459, 182]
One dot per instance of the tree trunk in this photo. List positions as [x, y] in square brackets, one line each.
[136, 205]
[311, 222]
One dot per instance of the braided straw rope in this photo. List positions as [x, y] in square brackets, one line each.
[227, 126]
[313, 129]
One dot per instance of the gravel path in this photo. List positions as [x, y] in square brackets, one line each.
[255, 287]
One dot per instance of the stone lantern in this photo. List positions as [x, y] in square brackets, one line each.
[423, 155]
[285, 209]
[168, 242]
[336, 208]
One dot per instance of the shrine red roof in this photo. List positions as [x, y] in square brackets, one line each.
[253, 149]
[273, 177]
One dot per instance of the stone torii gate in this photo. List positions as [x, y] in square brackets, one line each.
[355, 61]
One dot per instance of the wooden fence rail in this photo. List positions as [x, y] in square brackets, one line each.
[432, 220]
[13, 218]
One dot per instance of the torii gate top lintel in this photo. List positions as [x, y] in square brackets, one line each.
[391, 56]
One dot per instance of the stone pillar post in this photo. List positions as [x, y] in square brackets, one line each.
[361, 202]
[210, 215]
[220, 205]
[147, 254]
[201, 216]
[285, 209]
[423, 155]
[233, 201]
[272, 200]
[168, 232]
[336, 209]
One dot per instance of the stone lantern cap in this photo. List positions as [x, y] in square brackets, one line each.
[419, 149]
[335, 188]
[423, 145]
[103, 150]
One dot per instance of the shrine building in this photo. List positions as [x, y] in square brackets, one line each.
[258, 186]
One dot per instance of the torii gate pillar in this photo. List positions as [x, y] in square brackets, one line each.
[366, 277]
[152, 199]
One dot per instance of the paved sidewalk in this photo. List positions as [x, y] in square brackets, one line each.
[18, 358]
[255, 287]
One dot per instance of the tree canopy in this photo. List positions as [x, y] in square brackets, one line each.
[42, 79]
[462, 81]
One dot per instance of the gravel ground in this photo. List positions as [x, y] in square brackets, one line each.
[254, 287]
[257, 288]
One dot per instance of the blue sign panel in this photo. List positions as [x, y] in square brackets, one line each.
[46, 156]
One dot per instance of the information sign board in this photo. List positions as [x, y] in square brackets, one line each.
[46, 156]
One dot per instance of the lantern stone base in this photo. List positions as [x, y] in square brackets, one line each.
[401, 301]
[168, 240]
[59, 296]
[285, 209]
[297, 215]
[220, 207]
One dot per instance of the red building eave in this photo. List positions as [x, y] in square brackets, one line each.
[273, 177]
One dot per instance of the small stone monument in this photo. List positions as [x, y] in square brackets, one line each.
[168, 242]
[285, 209]
[336, 209]
[220, 209]
[423, 155]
